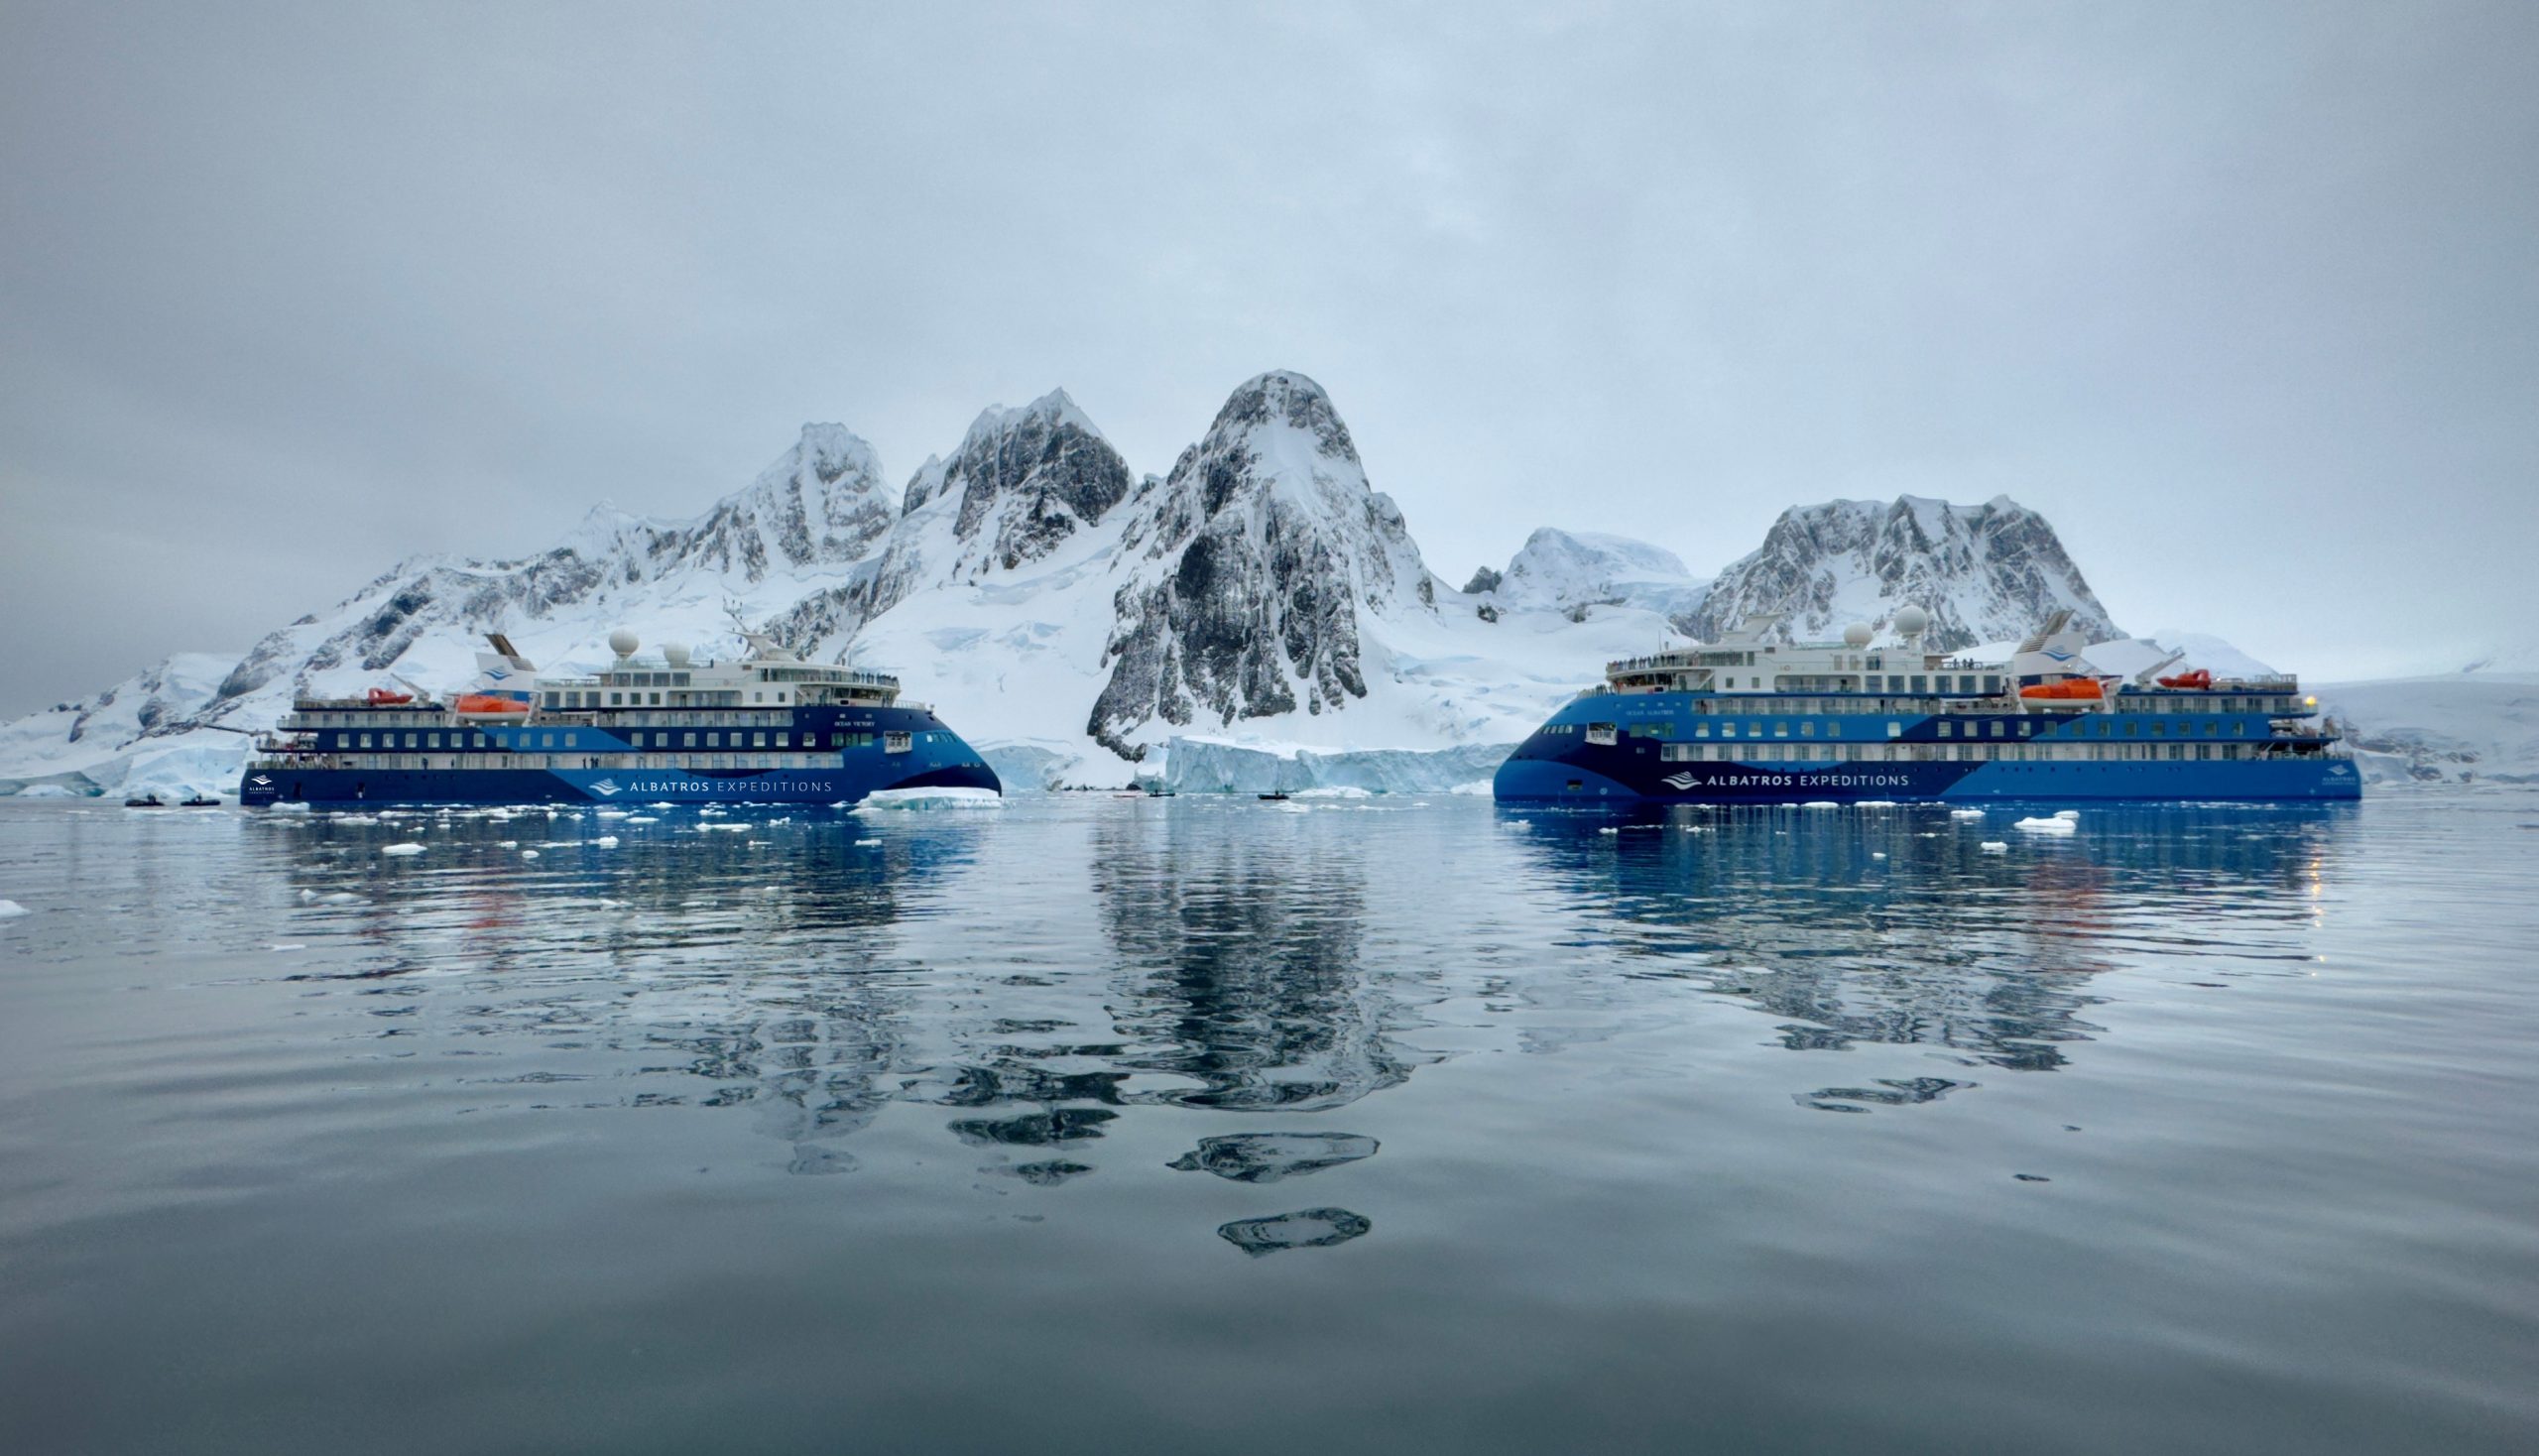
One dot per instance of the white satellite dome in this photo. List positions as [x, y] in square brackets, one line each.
[1858, 635]
[1912, 621]
[623, 642]
[674, 653]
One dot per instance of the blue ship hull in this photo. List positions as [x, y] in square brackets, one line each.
[940, 761]
[1917, 763]
[1602, 777]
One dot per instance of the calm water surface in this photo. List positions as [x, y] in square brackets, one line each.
[1098, 1125]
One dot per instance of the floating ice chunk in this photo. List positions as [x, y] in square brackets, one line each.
[355, 818]
[1995, 847]
[529, 854]
[1875, 803]
[2046, 826]
[408, 848]
[641, 820]
[931, 798]
[296, 807]
[710, 811]
[10, 910]
[866, 843]
[508, 844]
[2067, 814]
[662, 806]
[1336, 790]
[1878, 854]
[726, 828]
[307, 894]
[1966, 813]
[1609, 831]
[1478, 789]
[617, 813]
[339, 897]
[282, 945]
[1820, 803]
[788, 819]
[606, 841]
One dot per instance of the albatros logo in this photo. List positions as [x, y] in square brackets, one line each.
[260, 780]
[606, 789]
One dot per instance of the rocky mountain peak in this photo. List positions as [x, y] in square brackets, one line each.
[1284, 397]
[1984, 572]
[1249, 568]
[1026, 479]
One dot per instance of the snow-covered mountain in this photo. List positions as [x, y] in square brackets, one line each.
[1245, 574]
[1984, 572]
[1260, 602]
[1573, 572]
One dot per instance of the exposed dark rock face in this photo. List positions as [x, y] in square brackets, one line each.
[1984, 572]
[1027, 480]
[1246, 570]
[1483, 580]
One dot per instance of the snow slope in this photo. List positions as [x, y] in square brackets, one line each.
[2454, 729]
[1262, 604]
[1575, 572]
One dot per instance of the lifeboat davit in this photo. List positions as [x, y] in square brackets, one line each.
[381, 697]
[2085, 688]
[490, 706]
[2197, 678]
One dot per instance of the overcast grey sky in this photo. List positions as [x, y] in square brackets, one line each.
[2244, 297]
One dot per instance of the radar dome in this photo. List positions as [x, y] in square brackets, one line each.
[1856, 635]
[676, 654]
[1911, 620]
[623, 642]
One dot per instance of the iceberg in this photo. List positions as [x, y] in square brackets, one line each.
[924, 798]
[1220, 766]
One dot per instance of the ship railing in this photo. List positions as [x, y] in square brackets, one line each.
[363, 705]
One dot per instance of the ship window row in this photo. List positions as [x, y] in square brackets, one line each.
[568, 738]
[427, 762]
[1945, 728]
[684, 718]
[1987, 752]
[1872, 706]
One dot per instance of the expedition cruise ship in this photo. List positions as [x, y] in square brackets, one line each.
[770, 728]
[1747, 720]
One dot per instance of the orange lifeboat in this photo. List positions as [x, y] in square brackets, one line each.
[2197, 678]
[491, 705]
[2085, 688]
[381, 697]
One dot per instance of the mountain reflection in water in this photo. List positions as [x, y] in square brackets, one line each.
[789, 967]
[1345, 1126]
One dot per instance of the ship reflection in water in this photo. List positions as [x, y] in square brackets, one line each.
[1338, 1124]
[1042, 980]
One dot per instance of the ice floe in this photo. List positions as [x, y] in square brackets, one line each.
[931, 798]
[402, 849]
